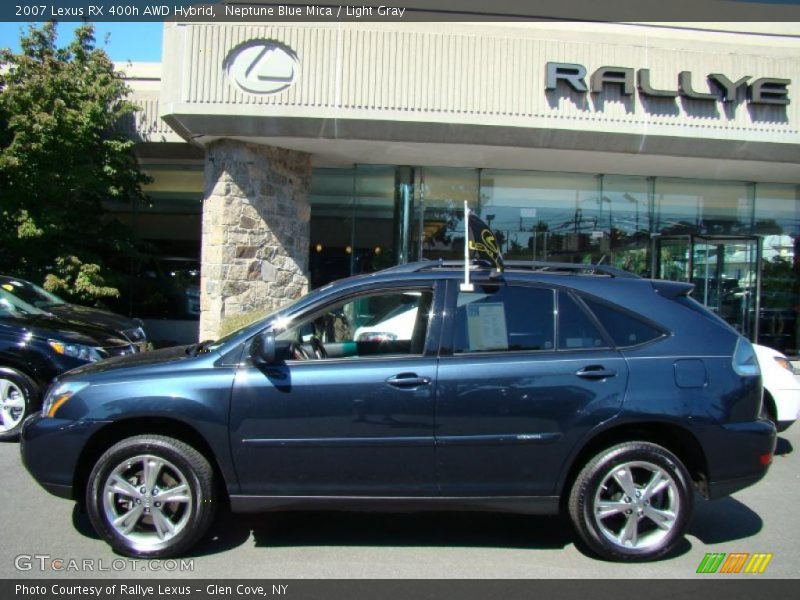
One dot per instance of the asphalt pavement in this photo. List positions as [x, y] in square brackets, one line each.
[44, 536]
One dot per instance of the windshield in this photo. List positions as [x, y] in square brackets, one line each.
[11, 306]
[29, 292]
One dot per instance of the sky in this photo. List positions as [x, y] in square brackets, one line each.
[135, 42]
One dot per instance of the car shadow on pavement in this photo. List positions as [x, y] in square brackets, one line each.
[81, 522]
[723, 520]
[312, 528]
[713, 522]
[783, 447]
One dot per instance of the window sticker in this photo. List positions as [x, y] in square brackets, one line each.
[486, 326]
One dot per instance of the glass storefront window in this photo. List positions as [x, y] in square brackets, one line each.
[777, 221]
[706, 232]
[443, 192]
[354, 221]
[332, 215]
[544, 216]
[628, 225]
[379, 228]
[686, 206]
[158, 276]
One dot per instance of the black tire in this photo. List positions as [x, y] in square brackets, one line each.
[598, 487]
[181, 463]
[19, 388]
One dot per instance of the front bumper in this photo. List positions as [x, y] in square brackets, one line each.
[51, 450]
[735, 454]
[787, 404]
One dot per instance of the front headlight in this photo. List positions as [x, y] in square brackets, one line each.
[79, 351]
[784, 363]
[58, 394]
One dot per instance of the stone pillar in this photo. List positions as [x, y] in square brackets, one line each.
[255, 231]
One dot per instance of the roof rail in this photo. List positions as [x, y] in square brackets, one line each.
[411, 267]
[535, 265]
[530, 265]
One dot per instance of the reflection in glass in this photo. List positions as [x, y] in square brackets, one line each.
[443, 192]
[777, 220]
[685, 206]
[354, 223]
[701, 231]
[629, 222]
[543, 216]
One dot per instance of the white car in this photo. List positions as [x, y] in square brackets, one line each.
[781, 387]
[397, 324]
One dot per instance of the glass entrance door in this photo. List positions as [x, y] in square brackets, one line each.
[723, 269]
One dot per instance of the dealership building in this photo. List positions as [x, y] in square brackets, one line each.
[286, 155]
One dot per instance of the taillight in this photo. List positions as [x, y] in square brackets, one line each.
[745, 362]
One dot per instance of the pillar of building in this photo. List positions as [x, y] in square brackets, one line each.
[255, 231]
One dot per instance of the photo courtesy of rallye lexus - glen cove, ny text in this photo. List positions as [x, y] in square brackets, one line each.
[475, 384]
[139, 590]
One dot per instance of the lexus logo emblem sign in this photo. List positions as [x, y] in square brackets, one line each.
[262, 66]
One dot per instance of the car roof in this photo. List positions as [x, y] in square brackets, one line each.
[607, 282]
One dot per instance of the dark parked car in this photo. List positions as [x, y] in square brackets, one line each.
[582, 389]
[35, 346]
[126, 328]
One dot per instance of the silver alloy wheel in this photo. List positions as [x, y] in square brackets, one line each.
[636, 505]
[12, 405]
[147, 500]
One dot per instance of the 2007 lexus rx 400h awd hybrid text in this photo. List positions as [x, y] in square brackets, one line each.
[545, 388]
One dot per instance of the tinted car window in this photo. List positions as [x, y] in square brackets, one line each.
[623, 328]
[394, 322]
[504, 318]
[576, 329]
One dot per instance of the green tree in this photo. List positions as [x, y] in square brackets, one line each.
[62, 155]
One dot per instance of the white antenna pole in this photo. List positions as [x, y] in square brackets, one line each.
[466, 286]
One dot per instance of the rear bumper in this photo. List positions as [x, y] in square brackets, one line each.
[51, 449]
[738, 455]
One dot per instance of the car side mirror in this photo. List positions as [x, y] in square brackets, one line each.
[262, 348]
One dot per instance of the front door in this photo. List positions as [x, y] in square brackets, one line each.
[349, 411]
[723, 269]
[528, 374]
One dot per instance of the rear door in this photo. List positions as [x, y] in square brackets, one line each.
[526, 374]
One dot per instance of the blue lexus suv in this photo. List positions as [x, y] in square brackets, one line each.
[546, 388]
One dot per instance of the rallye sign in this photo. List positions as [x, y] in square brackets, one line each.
[763, 90]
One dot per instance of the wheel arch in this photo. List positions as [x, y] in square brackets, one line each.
[675, 438]
[9, 367]
[769, 405]
[31, 367]
[107, 436]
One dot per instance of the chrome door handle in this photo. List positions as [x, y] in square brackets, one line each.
[407, 380]
[595, 372]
